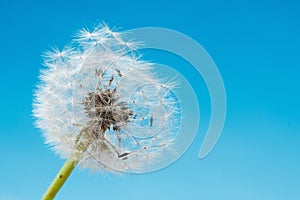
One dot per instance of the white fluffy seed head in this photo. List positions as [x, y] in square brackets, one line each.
[101, 105]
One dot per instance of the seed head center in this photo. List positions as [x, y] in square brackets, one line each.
[104, 110]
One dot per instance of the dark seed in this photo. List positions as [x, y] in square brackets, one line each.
[151, 120]
[123, 155]
[119, 72]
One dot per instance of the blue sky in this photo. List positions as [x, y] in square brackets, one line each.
[256, 47]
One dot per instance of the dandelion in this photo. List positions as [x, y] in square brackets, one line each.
[101, 107]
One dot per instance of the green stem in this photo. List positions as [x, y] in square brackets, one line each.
[60, 179]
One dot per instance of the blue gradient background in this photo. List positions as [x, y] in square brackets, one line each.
[256, 46]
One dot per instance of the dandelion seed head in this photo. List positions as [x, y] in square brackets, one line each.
[99, 103]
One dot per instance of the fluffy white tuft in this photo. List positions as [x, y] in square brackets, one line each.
[100, 104]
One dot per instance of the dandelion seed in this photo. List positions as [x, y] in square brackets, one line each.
[100, 106]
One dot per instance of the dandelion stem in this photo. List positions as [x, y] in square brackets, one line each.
[60, 179]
